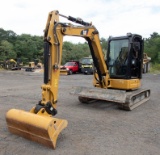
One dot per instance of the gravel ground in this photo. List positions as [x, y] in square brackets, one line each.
[98, 128]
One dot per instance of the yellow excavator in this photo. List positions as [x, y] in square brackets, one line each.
[116, 79]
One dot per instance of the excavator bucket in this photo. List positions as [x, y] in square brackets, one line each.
[38, 128]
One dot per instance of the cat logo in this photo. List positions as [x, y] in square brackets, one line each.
[84, 32]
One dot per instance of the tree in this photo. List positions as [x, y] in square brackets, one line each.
[6, 51]
[154, 35]
[9, 35]
[152, 47]
[28, 47]
[104, 45]
[74, 51]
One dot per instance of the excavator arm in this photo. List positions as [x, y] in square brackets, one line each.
[38, 124]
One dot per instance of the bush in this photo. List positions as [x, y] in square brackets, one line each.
[155, 68]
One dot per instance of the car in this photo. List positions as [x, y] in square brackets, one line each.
[71, 67]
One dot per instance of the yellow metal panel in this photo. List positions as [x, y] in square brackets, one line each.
[124, 84]
[63, 72]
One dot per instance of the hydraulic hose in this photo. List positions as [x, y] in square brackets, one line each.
[46, 62]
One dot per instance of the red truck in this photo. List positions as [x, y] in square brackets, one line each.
[71, 67]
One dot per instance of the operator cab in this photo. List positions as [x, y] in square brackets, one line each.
[125, 56]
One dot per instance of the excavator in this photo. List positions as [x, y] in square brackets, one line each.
[117, 78]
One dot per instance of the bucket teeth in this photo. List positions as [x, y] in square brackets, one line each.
[38, 128]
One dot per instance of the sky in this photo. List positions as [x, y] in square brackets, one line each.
[110, 17]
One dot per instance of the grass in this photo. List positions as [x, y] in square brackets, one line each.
[155, 68]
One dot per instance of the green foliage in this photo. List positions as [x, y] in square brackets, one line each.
[6, 50]
[28, 47]
[152, 47]
[23, 46]
[74, 51]
[10, 36]
[104, 45]
[155, 68]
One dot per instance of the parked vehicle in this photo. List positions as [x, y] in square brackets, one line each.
[33, 65]
[86, 65]
[70, 67]
[12, 64]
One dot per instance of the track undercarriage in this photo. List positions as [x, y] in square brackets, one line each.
[127, 100]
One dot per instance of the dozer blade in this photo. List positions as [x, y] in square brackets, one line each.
[38, 128]
[128, 100]
[63, 72]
